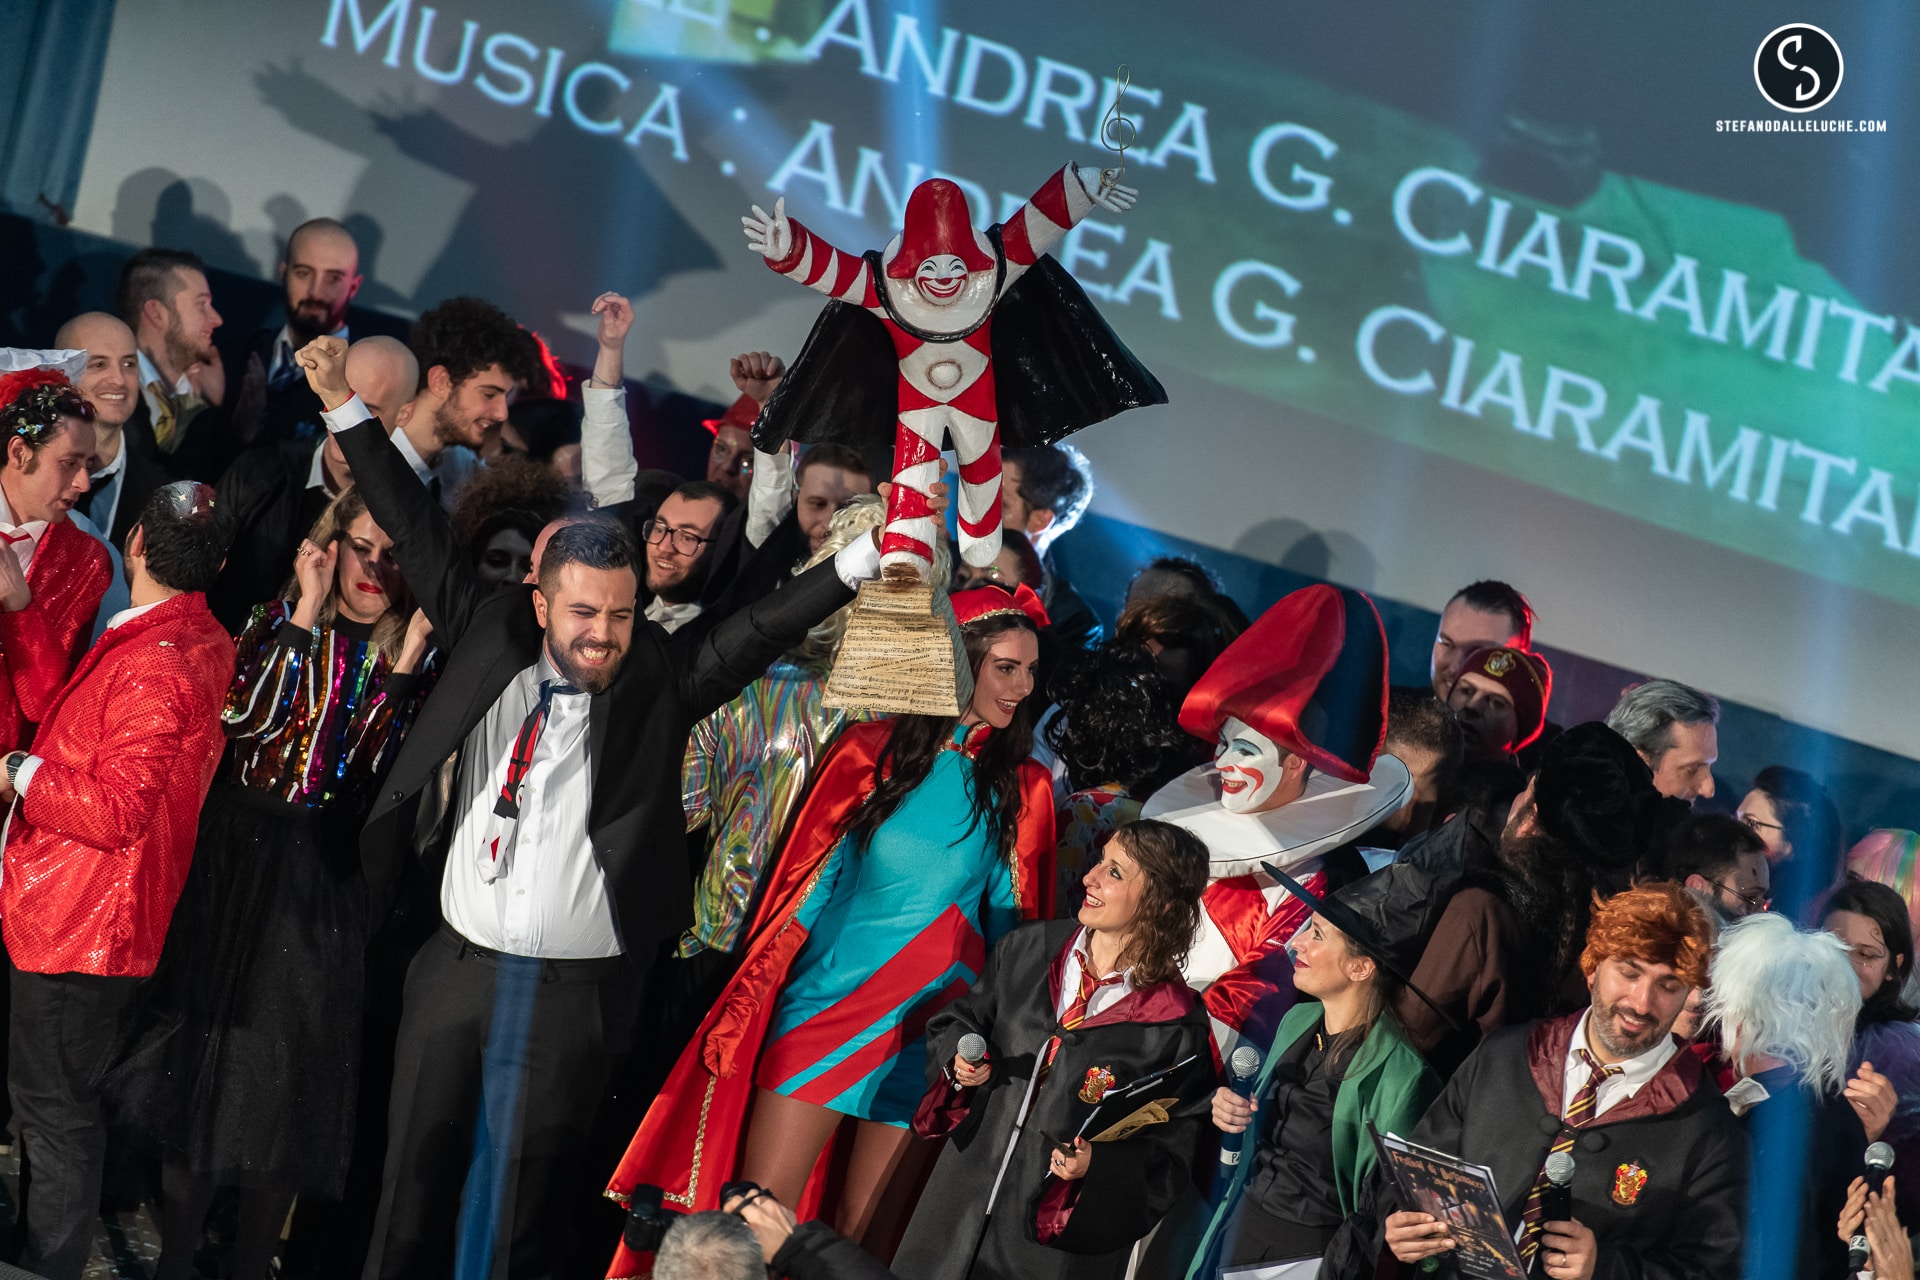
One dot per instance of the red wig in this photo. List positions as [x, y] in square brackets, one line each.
[1650, 924]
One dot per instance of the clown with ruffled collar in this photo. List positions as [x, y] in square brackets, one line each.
[1296, 708]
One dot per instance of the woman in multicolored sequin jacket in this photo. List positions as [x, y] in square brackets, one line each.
[254, 1025]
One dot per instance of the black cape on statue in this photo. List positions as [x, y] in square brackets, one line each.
[1058, 366]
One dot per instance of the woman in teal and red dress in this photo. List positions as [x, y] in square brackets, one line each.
[923, 841]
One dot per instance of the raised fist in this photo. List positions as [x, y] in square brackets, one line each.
[325, 360]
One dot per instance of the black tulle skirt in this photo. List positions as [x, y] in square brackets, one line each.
[246, 1054]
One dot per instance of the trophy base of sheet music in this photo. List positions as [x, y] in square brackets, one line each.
[902, 653]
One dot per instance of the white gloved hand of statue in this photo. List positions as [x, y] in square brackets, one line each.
[1104, 191]
[770, 234]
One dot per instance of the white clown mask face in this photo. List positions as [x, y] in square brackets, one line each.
[1250, 766]
[941, 278]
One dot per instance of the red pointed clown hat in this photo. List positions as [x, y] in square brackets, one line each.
[938, 222]
[993, 600]
[1311, 674]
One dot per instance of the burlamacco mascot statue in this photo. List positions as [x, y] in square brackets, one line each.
[1297, 709]
[948, 334]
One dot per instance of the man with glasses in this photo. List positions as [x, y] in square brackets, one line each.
[1723, 864]
[679, 540]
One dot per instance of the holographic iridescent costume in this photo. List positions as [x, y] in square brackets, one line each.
[747, 769]
[256, 1014]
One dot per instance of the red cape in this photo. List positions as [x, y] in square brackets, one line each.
[691, 1141]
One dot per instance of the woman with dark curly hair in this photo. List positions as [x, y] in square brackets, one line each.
[500, 515]
[1069, 1011]
[1117, 733]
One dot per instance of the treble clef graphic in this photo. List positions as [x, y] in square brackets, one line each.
[1116, 131]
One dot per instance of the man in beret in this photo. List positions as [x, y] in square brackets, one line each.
[1501, 697]
[1507, 946]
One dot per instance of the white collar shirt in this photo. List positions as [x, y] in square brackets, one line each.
[284, 345]
[107, 484]
[1634, 1072]
[671, 617]
[1103, 998]
[21, 539]
[150, 374]
[551, 901]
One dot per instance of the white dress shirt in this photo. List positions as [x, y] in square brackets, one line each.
[1634, 1072]
[607, 466]
[671, 617]
[551, 901]
[21, 539]
[771, 495]
[453, 468]
[108, 483]
[1103, 997]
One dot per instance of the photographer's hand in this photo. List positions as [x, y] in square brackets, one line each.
[772, 1222]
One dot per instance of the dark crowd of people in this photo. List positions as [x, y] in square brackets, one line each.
[432, 850]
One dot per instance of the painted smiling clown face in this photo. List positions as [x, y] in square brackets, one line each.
[1250, 766]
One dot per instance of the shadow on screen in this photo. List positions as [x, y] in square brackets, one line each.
[553, 219]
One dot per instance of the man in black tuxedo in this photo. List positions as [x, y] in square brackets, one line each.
[268, 398]
[564, 864]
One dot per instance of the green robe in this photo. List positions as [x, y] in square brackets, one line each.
[1388, 1083]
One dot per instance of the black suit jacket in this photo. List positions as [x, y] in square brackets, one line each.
[637, 730]
[144, 472]
[250, 413]
[265, 497]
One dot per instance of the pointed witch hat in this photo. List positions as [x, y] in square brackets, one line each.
[1388, 916]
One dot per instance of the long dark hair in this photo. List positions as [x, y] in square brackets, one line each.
[1173, 864]
[1887, 909]
[1808, 817]
[993, 790]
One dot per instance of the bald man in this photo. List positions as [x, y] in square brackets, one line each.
[126, 466]
[320, 273]
[275, 491]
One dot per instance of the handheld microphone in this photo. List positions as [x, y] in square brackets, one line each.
[1879, 1164]
[1242, 1069]
[973, 1048]
[1859, 1253]
[1556, 1202]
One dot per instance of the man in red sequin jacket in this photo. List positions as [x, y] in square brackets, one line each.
[98, 840]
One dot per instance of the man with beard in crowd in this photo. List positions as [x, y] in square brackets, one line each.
[564, 864]
[471, 356]
[1659, 1163]
[165, 299]
[1507, 944]
[321, 274]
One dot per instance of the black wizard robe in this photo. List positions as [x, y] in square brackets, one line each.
[1089, 1225]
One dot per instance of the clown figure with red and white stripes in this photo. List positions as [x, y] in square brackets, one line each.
[935, 288]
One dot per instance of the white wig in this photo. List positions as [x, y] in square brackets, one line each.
[1782, 992]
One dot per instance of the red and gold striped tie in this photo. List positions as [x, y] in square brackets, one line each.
[1580, 1113]
[1077, 1009]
